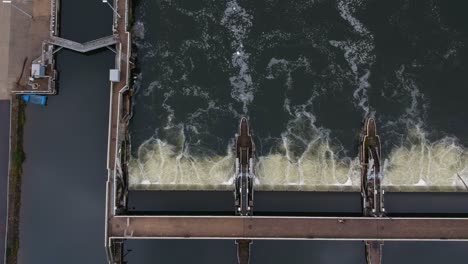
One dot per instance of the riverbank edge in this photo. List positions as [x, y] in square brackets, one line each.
[17, 157]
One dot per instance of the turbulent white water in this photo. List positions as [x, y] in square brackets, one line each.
[238, 21]
[422, 166]
[358, 52]
[163, 166]
[305, 155]
[426, 166]
[419, 165]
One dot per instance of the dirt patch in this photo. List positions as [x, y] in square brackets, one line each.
[18, 118]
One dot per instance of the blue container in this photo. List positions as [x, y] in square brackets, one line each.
[34, 99]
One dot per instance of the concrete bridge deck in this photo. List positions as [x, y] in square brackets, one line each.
[295, 228]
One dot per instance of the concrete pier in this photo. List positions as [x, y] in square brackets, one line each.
[119, 115]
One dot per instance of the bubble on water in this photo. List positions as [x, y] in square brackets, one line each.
[358, 52]
[149, 90]
[304, 158]
[239, 22]
[138, 30]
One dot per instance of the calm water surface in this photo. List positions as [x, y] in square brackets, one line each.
[65, 142]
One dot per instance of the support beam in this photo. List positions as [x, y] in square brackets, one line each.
[115, 253]
[371, 188]
[374, 251]
[258, 227]
[243, 251]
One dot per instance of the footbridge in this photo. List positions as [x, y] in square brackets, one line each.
[288, 228]
[84, 47]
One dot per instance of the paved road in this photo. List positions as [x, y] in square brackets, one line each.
[4, 150]
[4, 50]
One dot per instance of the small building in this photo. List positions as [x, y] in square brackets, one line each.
[37, 70]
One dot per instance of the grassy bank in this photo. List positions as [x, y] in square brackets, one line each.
[17, 158]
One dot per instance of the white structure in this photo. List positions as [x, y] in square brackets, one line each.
[37, 70]
[114, 75]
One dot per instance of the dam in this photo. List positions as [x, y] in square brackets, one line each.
[307, 95]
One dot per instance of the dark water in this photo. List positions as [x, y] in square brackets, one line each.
[63, 192]
[64, 177]
[306, 74]
[345, 203]
[279, 202]
[327, 43]
[329, 252]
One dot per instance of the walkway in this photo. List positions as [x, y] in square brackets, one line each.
[5, 86]
[87, 46]
[257, 227]
[123, 66]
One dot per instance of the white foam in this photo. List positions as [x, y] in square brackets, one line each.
[138, 30]
[149, 90]
[359, 53]
[239, 22]
[421, 182]
[346, 8]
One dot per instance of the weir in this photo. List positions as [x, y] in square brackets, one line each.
[372, 228]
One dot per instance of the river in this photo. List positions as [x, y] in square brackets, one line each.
[62, 217]
[306, 81]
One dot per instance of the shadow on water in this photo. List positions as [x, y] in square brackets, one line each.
[295, 203]
[265, 202]
[426, 203]
[203, 251]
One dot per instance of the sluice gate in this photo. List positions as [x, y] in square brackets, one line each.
[244, 182]
[372, 193]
